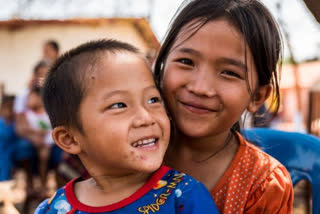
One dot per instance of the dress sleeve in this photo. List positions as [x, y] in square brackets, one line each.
[42, 208]
[195, 200]
[273, 195]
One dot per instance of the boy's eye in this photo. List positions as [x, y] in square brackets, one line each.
[231, 73]
[117, 105]
[185, 61]
[154, 100]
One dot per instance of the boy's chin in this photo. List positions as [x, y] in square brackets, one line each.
[150, 167]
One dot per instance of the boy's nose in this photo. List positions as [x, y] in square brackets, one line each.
[143, 118]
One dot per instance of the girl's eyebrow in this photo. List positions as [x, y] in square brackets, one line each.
[189, 51]
[226, 60]
[231, 61]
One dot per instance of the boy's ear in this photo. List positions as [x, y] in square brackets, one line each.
[259, 97]
[65, 140]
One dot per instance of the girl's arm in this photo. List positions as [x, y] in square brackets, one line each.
[275, 194]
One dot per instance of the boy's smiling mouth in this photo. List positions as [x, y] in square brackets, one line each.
[146, 142]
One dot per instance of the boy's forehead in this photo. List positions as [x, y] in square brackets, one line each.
[108, 65]
[112, 61]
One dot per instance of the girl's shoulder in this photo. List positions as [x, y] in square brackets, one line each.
[253, 177]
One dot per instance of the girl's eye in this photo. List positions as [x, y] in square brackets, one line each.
[154, 100]
[117, 105]
[186, 61]
[231, 73]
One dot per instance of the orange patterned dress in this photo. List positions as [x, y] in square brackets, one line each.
[255, 183]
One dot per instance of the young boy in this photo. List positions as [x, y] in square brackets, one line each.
[104, 107]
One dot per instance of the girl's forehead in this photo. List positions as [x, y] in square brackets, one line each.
[193, 27]
[212, 33]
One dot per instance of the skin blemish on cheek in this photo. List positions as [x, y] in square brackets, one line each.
[141, 157]
[92, 77]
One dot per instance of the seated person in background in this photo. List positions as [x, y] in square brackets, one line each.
[7, 136]
[120, 131]
[30, 136]
[38, 120]
[23, 128]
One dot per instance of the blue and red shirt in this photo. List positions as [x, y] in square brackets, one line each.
[167, 191]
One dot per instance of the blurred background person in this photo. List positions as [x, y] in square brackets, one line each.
[50, 51]
[7, 136]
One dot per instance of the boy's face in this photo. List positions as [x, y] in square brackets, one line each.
[125, 126]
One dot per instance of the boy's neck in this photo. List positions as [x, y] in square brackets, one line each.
[108, 189]
[111, 183]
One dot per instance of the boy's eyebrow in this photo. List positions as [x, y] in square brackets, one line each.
[108, 95]
[150, 87]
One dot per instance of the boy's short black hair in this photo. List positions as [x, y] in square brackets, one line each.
[65, 88]
[54, 45]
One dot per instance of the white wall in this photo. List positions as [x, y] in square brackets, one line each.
[21, 49]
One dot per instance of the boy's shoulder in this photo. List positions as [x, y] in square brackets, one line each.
[178, 192]
[176, 179]
[57, 202]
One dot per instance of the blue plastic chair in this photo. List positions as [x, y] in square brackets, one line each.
[299, 153]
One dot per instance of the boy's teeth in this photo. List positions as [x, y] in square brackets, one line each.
[146, 142]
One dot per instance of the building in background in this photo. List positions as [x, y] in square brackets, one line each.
[21, 41]
[308, 76]
[313, 121]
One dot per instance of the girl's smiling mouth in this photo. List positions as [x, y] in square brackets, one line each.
[197, 108]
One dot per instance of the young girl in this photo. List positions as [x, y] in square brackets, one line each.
[219, 59]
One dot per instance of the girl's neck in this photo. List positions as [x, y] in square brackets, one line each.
[197, 157]
[203, 146]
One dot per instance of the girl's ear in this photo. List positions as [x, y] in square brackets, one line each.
[259, 97]
[65, 140]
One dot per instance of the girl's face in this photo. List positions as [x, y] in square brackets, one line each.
[204, 80]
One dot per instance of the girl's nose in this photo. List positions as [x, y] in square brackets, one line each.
[202, 84]
[143, 118]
